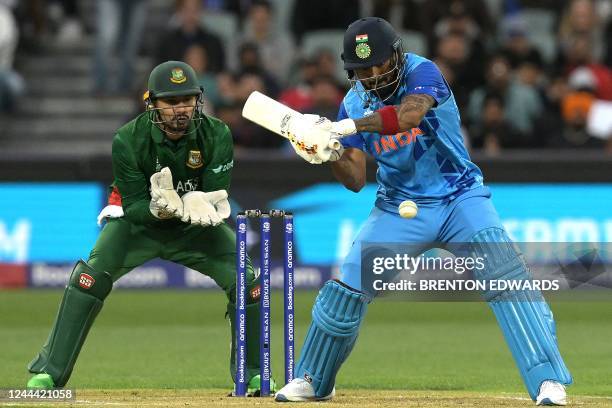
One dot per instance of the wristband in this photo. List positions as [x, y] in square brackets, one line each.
[390, 122]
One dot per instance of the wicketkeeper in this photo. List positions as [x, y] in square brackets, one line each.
[172, 168]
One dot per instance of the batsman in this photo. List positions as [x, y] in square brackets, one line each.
[401, 111]
[172, 169]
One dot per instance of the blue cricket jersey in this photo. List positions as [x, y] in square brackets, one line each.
[424, 163]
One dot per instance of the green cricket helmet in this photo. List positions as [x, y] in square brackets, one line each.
[173, 79]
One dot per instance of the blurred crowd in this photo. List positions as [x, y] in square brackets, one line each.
[525, 73]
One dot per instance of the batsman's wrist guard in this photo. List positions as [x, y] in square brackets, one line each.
[390, 121]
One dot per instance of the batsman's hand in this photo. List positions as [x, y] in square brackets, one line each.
[313, 140]
[205, 209]
[344, 127]
[165, 202]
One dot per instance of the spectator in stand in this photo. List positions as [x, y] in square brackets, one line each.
[119, 25]
[516, 46]
[196, 57]
[322, 14]
[522, 104]
[247, 133]
[187, 30]
[70, 29]
[530, 72]
[230, 113]
[457, 22]
[453, 57]
[326, 97]
[227, 85]
[9, 35]
[250, 62]
[524, 58]
[494, 132]
[580, 19]
[275, 49]
[567, 127]
[319, 68]
[402, 14]
[467, 17]
[578, 53]
[11, 83]
[41, 19]
[327, 65]
[299, 96]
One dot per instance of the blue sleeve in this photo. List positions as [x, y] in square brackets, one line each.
[427, 79]
[355, 140]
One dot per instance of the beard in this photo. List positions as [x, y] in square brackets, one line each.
[177, 123]
[385, 87]
[385, 91]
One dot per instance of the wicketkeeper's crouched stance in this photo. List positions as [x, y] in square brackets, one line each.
[172, 170]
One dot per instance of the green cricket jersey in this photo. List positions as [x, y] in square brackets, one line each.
[199, 161]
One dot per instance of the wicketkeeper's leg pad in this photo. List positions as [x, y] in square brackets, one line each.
[83, 300]
[336, 317]
[523, 315]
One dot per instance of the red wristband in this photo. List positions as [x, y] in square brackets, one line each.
[390, 122]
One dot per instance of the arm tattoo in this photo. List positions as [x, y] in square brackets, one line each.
[409, 114]
[370, 123]
[420, 103]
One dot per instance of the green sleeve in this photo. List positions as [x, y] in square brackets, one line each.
[218, 174]
[132, 184]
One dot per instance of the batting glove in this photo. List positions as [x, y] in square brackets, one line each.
[344, 127]
[313, 141]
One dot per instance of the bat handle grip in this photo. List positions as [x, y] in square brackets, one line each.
[334, 143]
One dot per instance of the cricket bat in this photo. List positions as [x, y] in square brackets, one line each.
[274, 116]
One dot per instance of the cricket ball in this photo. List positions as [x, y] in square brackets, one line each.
[408, 209]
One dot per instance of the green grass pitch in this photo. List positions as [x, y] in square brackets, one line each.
[180, 340]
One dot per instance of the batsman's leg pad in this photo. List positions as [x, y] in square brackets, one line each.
[336, 317]
[252, 330]
[82, 301]
[524, 316]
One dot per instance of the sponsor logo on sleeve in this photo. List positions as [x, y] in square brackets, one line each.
[223, 167]
[86, 281]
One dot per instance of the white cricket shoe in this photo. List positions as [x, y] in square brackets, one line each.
[300, 390]
[551, 393]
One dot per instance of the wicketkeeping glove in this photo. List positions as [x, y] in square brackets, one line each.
[205, 209]
[219, 200]
[165, 202]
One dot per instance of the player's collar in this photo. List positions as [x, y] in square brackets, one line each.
[157, 135]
